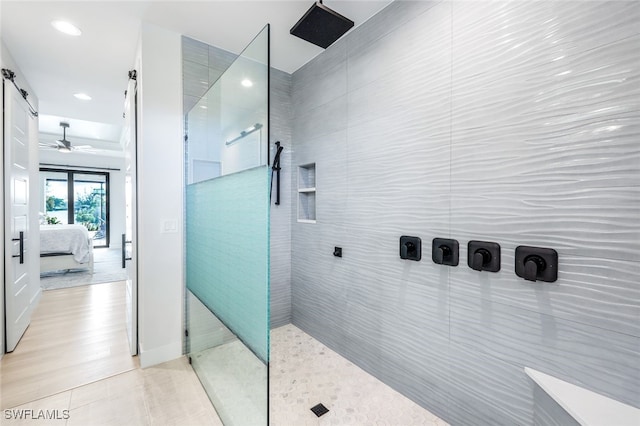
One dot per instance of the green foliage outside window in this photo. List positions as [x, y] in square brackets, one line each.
[89, 209]
[55, 204]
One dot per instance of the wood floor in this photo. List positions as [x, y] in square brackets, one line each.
[77, 336]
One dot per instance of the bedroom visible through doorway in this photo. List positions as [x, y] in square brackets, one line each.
[76, 196]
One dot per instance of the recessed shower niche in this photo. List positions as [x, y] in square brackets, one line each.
[307, 193]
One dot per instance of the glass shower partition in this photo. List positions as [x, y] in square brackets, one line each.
[227, 238]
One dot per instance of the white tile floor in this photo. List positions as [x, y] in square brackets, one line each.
[303, 373]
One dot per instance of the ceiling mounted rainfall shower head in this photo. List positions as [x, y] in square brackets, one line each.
[321, 26]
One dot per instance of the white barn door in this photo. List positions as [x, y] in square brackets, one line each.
[129, 240]
[17, 295]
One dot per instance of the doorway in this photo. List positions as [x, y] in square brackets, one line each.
[77, 196]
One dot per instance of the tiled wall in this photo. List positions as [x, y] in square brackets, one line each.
[510, 122]
[202, 66]
[280, 231]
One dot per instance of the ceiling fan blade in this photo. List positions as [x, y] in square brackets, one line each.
[64, 144]
[82, 147]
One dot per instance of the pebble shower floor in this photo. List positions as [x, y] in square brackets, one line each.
[304, 373]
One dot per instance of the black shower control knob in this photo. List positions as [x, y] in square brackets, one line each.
[536, 263]
[410, 248]
[438, 255]
[481, 257]
[444, 251]
[533, 265]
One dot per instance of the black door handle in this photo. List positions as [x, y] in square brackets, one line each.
[21, 239]
[124, 250]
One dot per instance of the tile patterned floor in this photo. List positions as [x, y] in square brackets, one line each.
[304, 372]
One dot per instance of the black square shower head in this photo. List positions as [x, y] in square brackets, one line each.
[321, 26]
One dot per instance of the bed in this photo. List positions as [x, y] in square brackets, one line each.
[64, 247]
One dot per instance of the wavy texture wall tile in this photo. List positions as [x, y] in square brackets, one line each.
[601, 360]
[486, 390]
[599, 292]
[514, 122]
[280, 120]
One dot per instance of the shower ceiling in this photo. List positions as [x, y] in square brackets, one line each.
[96, 63]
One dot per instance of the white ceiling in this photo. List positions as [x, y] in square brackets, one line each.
[97, 62]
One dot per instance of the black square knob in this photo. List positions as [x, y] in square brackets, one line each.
[410, 248]
[537, 263]
[483, 256]
[444, 251]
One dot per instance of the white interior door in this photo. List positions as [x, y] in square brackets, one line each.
[17, 297]
[130, 239]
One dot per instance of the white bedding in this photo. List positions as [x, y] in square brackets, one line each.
[72, 239]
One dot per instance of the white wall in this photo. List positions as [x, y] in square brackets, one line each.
[33, 243]
[116, 184]
[159, 186]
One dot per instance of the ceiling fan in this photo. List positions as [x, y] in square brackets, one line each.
[63, 145]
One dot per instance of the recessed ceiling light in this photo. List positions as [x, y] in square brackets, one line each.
[83, 96]
[204, 106]
[66, 27]
[246, 82]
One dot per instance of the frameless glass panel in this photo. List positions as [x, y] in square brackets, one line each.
[228, 128]
[227, 241]
[55, 201]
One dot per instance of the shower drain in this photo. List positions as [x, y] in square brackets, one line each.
[319, 410]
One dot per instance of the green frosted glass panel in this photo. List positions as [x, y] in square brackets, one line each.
[228, 252]
[227, 237]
